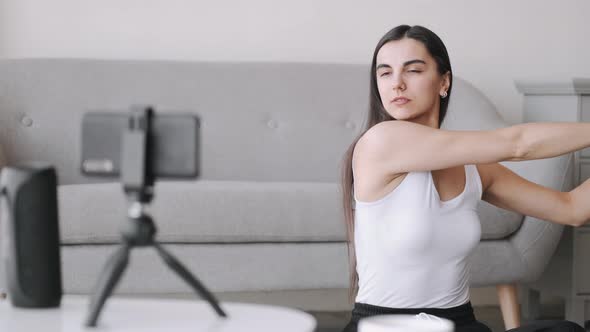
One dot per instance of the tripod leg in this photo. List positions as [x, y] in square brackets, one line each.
[111, 274]
[185, 274]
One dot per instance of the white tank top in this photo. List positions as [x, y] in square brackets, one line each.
[412, 248]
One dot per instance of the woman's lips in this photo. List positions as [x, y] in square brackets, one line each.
[401, 101]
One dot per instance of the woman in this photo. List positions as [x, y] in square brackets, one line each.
[416, 187]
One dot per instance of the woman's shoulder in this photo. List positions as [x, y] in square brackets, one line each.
[370, 181]
[387, 128]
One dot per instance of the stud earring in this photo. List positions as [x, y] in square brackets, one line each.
[444, 95]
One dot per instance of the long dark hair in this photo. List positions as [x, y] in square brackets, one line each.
[376, 114]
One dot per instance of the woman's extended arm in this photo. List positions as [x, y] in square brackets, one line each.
[541, 140]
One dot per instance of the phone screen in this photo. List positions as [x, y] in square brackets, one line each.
[175, 140]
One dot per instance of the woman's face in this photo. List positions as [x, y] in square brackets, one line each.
[405, 70]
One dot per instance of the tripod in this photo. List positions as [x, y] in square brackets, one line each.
[138, 180]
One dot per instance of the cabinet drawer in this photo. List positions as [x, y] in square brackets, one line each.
[582, 260]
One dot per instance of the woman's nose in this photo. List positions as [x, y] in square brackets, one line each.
[397, 82]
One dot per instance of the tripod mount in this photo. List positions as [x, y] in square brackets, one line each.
[138, 179]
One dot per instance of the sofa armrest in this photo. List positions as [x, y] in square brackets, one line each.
[536, 240]
[524, 255]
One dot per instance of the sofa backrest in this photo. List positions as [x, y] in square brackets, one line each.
[259, 121]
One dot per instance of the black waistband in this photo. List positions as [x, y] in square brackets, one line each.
[460, 315]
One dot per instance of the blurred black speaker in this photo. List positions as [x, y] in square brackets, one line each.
[30, 235]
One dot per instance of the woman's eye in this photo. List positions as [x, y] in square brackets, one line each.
[384, 74]
[415, 71]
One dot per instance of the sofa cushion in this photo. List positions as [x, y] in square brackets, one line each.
[221, 267]
[209, 211]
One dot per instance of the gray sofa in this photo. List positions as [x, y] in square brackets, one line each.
[264, 221]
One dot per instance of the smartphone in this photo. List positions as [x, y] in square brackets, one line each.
[174, 140]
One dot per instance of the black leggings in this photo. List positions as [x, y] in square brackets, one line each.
[462, 316]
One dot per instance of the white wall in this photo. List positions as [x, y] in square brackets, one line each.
[491, 43]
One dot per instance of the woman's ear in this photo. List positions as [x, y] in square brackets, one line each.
[445, 82]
